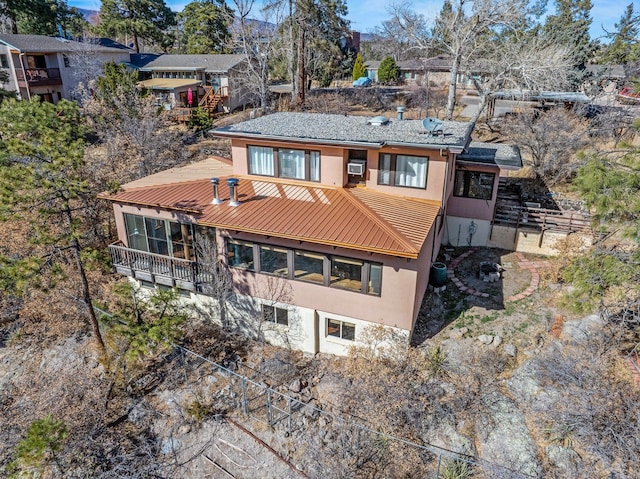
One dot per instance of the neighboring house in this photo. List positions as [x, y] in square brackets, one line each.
[216, 82]
[52, 68]
[435, 71]
[329, 224]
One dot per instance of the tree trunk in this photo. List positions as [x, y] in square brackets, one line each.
[301, 60]
[136, 46]
[291, 55]
[86, 295]
[484, 97]
[453, 78]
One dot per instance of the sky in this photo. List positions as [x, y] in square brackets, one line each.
[366, 15]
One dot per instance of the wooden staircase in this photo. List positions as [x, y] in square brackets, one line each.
[209, 101]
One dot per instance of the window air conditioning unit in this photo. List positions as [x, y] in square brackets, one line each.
[355, 168]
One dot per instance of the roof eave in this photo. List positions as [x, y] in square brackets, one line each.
[328, 142]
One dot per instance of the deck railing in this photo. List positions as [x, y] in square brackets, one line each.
[157, 268]
[543, 219]
[40, 76]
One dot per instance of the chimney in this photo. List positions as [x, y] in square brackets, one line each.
[232, 183]
[216, 195]
[400, 110]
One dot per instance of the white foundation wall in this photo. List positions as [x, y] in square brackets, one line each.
[528, 241]
[458, 232]
[306, 331]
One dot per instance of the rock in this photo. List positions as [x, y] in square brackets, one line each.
[464, 330]
[554, 286]
[456, 334]
[503, 437]
[169, 445]
[565, 460]
[485, 339]
[445, 435]
[510, 350]
[211, 380]
[184, 429]
[582, 329]
[497, 341]
[295, 386]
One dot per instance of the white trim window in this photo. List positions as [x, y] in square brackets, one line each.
[261, 161]
[273, 314]
[403, 170]
[341, 329]
[284, 163]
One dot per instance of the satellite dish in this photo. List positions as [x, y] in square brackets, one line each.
[432, 125]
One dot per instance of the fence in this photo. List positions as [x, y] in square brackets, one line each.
[264, 403]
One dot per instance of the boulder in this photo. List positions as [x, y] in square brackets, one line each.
[485, 339]
[503, 437]
[510, 350]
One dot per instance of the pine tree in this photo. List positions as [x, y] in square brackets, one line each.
[358, 68]
[570, 27]
[42, 185]
[142, 19]
[624, 47]
[388, 71]
[206, 26]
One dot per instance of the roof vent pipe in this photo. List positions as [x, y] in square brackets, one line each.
[400, 110]
[216, 195]
[232, 183]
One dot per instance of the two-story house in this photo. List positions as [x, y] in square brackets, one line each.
[51, 68]
[328, 224]
[181, 82]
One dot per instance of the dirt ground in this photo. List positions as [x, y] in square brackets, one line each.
[453, 313]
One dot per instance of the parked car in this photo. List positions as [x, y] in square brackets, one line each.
[362, 81]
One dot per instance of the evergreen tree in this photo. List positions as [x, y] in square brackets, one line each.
[205, 26]
[358, 67]
[570, 27]
[388, 71]
[142, 19]
[624, 47]
[42, 185]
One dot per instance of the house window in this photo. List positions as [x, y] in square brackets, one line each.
[273, 314]
[474, 184]
[273, 260]
[309, 267]
[159, 236]
[341, 329]
[346, 273]
[65, 60]
[284, 163]
[261, 161]
[403, 170]
[240, 254]
[4, 61]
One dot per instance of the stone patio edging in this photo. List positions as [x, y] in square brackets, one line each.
[532, 266]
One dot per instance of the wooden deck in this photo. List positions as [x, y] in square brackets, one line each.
[158, 269]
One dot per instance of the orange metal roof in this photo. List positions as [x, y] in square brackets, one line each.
[353, 218]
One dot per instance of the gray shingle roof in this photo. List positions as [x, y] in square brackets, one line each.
[504, 156]
[210, 63]
[43, 44]
[341, 129]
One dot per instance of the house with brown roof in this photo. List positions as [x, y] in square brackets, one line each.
[182, 82]
[328, 224]
[51, 68]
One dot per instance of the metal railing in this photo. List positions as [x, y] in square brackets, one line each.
[161, 269]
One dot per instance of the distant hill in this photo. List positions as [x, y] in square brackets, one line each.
[90, 16]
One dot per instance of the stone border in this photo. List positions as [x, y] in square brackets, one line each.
[523, 263]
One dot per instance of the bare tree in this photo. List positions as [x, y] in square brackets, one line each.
[256, 39]
[551, 138]
[521, 65]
